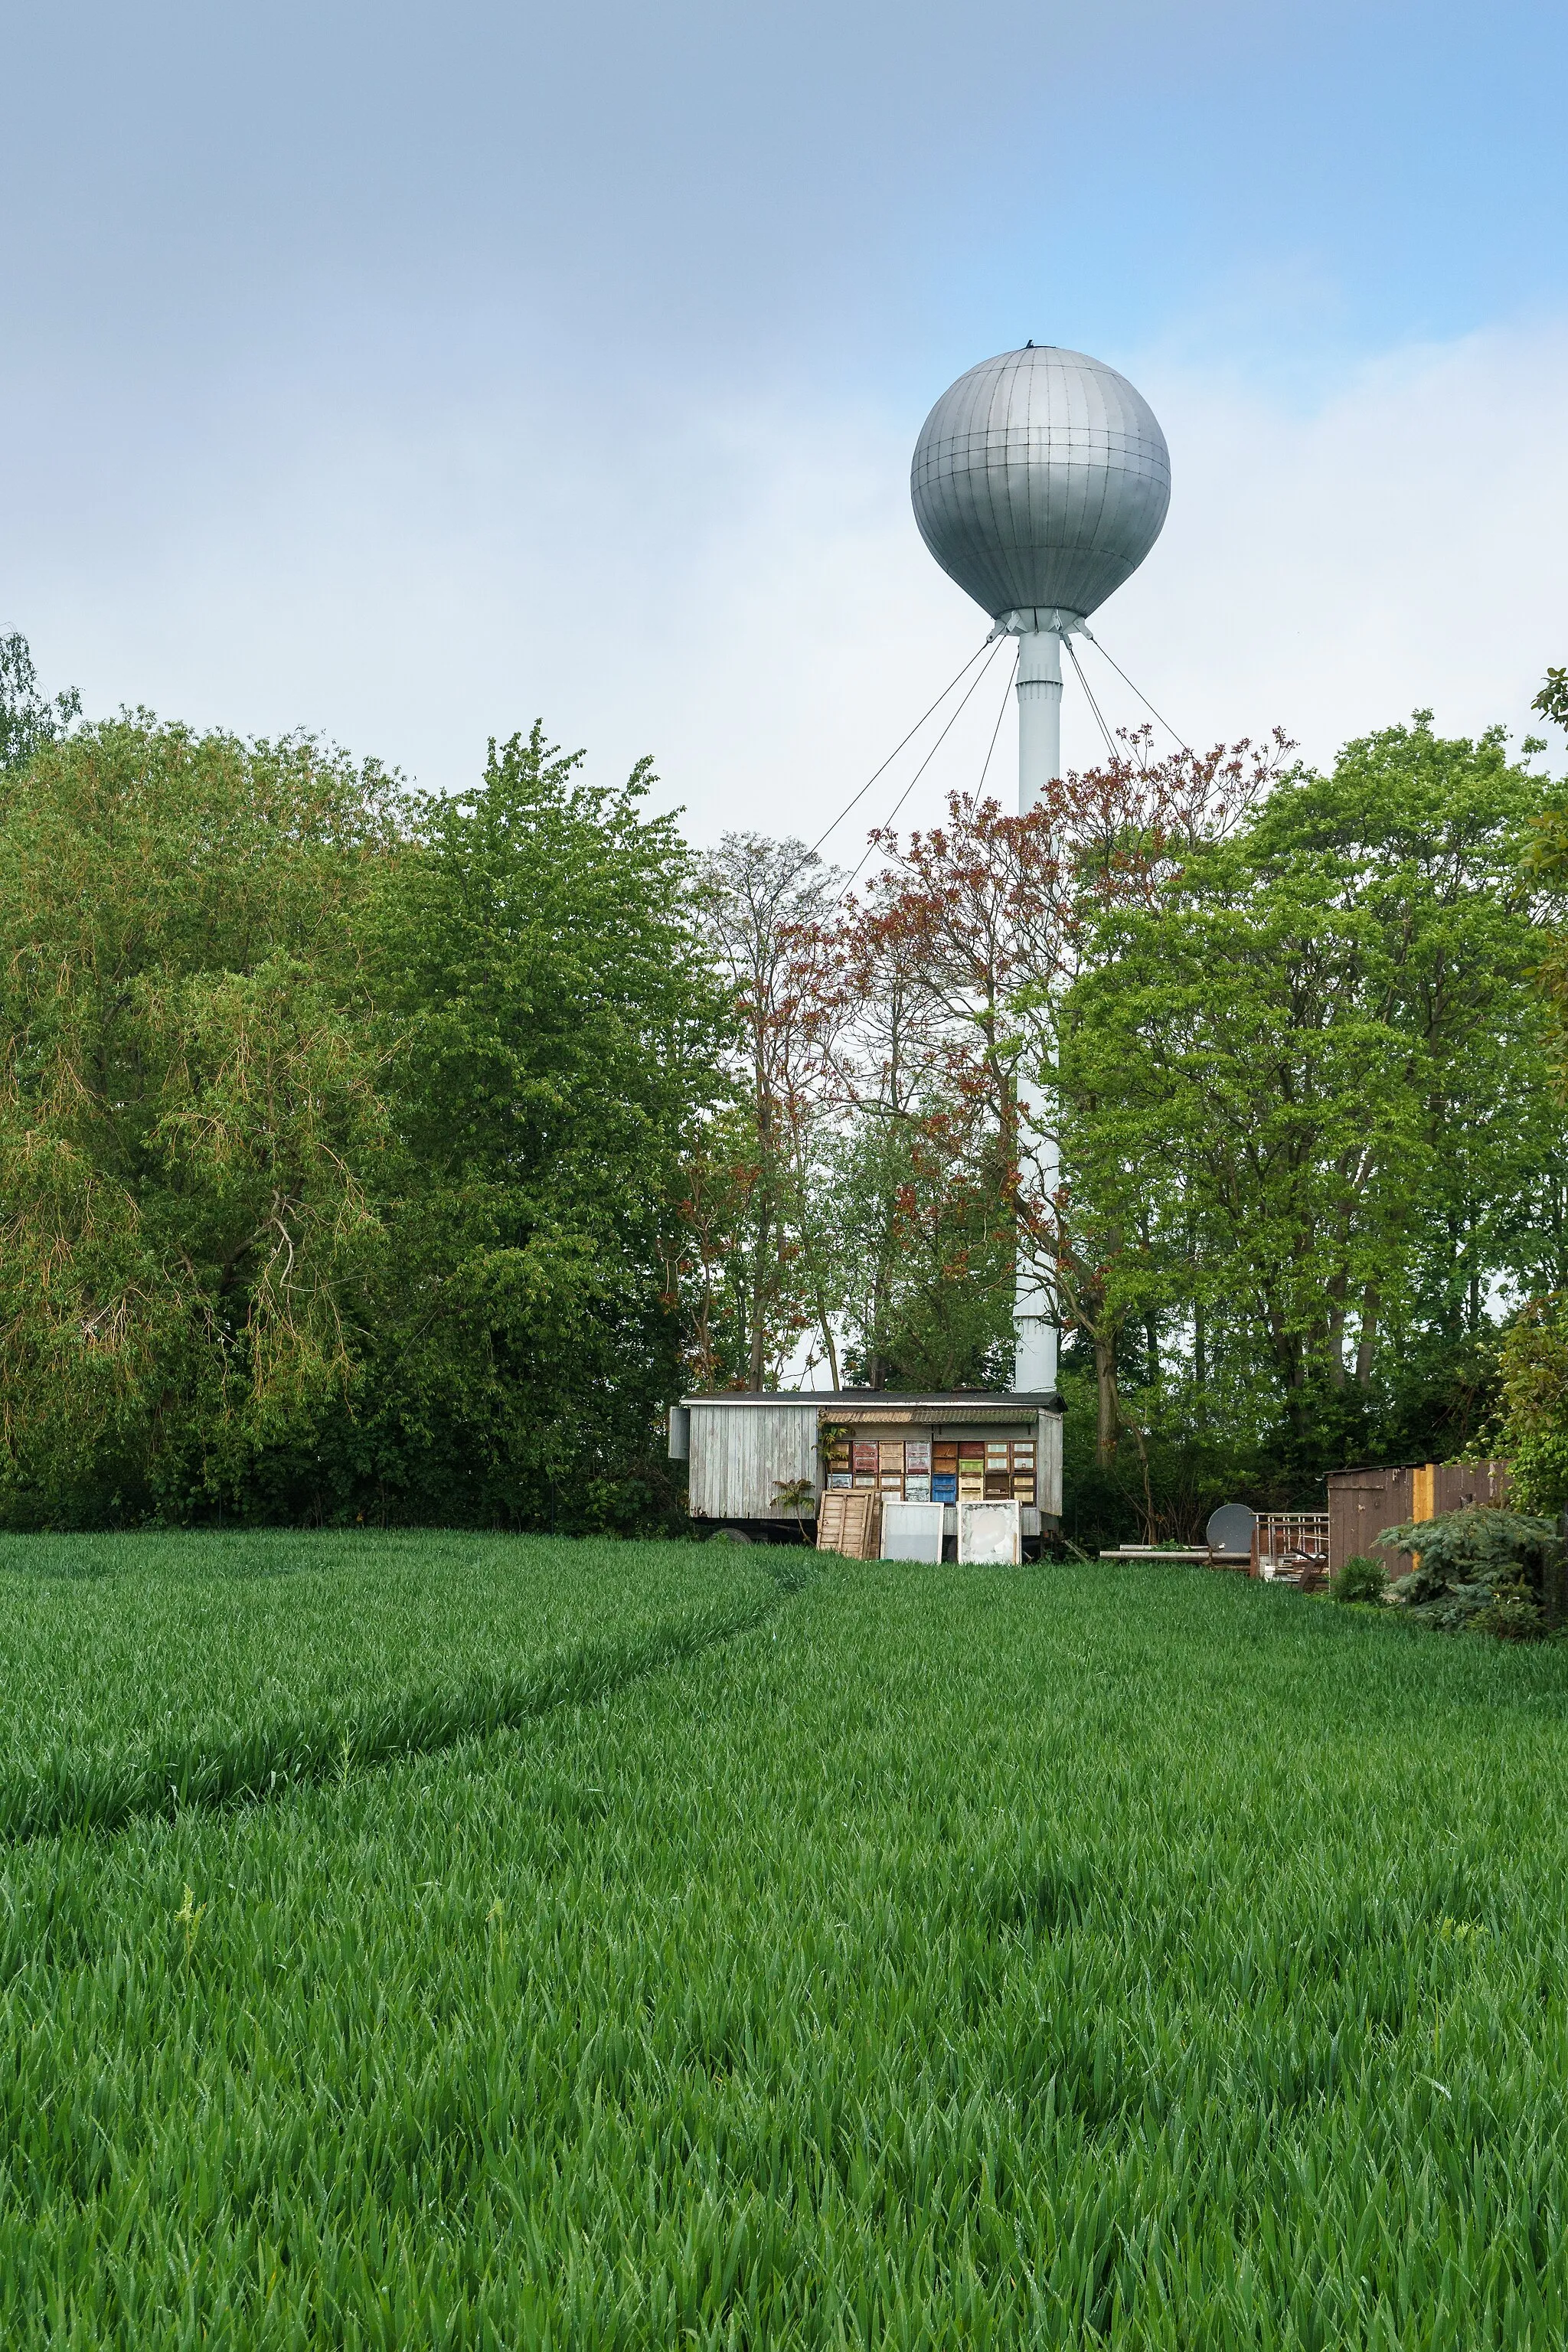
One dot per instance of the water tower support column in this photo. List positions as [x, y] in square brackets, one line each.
[1039, 714]
[1040, 761]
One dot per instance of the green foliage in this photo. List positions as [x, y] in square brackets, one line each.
[795, 1495]
[551, 1033]
[1550, 864]
[928, 1283]
[369, 1157]
[1482, 1570]
[338, 1136]
[911, 1969]
[28, 719]
[761, 1210]
[189, 1108]
[1535, 1423]
[1316, 1046]
[1309, 1094]
[1534, 1428]
[1360, 1580]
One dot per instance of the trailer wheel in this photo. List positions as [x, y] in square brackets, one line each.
[731, 1535]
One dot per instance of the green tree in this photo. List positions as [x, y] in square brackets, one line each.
[1552, 699]
[28, 719]
[1481, 1571]
[340, 1135]
[1307, 1081]
[551, 1031]
[1532, 1429]
[189, 1114]
[1533, 1432]
[767, 909]
[983, 923]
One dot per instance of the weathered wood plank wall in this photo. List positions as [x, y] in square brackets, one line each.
[741, 1454]
[1048, 1461]
[1362, 1503]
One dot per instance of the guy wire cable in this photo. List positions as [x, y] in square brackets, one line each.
[1085, 631]
[893, 754]
[1094, 705]
[1006, 690]
[919, 771]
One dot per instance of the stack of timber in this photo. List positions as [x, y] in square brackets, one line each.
[850, 1524]
[1205, 1553]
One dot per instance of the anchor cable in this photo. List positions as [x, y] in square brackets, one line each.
[995, 645]
[893, 754]
[1002, 714]
[1085, 631]
[1099, 717]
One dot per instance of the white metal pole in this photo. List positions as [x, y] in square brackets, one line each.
[1039, 714]
[1040, 761]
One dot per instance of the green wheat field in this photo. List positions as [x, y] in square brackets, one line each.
[448, 1940]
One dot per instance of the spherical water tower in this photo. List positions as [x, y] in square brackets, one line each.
[1040, 482]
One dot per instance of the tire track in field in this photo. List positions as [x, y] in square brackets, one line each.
[75, 1791]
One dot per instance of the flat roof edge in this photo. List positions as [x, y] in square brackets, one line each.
[872, 1400]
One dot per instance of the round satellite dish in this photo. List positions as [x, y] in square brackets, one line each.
[1041, 478]
[1230, 1527]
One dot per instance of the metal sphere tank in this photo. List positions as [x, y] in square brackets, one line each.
[1040, 479]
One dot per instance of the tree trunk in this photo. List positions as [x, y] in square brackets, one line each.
[1286, 1348]
[1336, 1342]
[831, 1344]
[764, 1239]
[1108, 1411]
[878, 1312]
[759, 1304]
[1366, 1347]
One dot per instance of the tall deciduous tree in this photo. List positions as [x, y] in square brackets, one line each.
[189, 1113]
[1533, 1426]
[340, 1135]
[1316, 1049]
[989, 920]
[552, 1031]
[762, 1230]
[29, 717]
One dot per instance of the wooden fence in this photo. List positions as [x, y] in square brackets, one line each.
[1362, 1503]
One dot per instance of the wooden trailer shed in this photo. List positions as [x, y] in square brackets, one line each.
[747, 1452]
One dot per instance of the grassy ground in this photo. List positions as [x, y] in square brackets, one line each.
[142, 1669]
[916, 1957]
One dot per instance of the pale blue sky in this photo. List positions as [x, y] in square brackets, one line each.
[404, 371]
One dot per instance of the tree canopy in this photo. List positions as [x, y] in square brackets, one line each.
[339, 1132]
[372, 1154]
[1250, 1063]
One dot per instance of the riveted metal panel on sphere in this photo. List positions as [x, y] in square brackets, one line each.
[1040, 479]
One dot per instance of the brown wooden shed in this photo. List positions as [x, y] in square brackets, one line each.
[1362, 1503]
